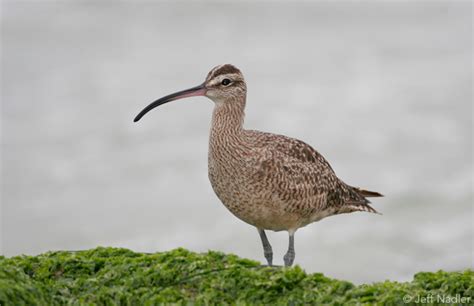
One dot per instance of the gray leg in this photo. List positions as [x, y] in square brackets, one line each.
[290, 255]
[267, 248]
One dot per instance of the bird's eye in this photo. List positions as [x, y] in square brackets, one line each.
[225, 82]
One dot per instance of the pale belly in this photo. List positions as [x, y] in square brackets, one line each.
[252, 202]
[238, 183]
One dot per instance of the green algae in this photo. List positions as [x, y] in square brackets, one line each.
[111, 276]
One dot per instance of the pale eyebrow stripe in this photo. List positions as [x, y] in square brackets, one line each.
[211, 74]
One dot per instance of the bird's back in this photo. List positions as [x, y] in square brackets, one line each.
[302, 178]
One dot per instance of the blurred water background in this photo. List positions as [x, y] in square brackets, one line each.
[382, 89]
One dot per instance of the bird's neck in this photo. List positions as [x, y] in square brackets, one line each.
[228, 118]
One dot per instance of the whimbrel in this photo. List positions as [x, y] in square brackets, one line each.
[270, 181]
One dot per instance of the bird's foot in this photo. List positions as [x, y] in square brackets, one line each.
[269, 256]
[289, 258]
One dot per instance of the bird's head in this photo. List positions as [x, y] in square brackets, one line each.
[223, 84]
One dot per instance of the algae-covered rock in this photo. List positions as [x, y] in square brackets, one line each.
[111, 276]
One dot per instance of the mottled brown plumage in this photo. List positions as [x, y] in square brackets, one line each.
[270, 181]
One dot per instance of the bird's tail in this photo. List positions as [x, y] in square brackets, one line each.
[357, 200]
[367, 193]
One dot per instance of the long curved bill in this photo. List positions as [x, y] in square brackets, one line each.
[191, 92]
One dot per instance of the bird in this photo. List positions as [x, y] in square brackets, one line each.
[270, 181]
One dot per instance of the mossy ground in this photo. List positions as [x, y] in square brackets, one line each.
[111, 276]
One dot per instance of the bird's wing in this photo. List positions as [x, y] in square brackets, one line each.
[293, 170]
[290, 147]
[297, 172]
